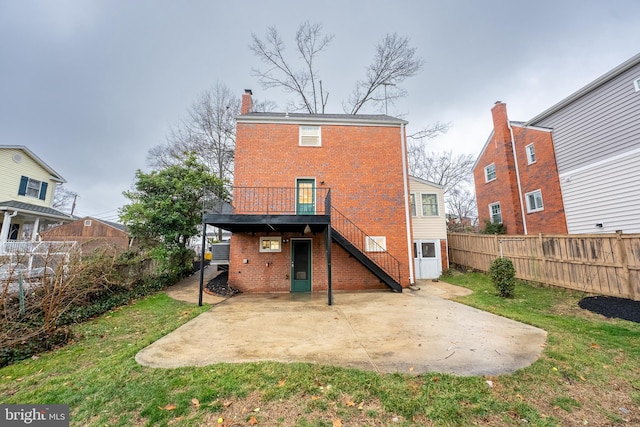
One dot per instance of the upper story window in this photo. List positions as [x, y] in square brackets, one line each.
[495, 213]
[534, 201]
[490, 172]
[310, 136]
[531, 153]
[32, 188]
[636, 84]
[413, 205]
[429, 205]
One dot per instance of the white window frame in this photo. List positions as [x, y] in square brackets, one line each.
[533, 194]
[310, 136]
[271, 239]
[413, 206]
[376, 244]
[87, 223]
[636, 84]
[486, 175]
[37, 188]
[531, 153]
[491, 212]
[422, 204]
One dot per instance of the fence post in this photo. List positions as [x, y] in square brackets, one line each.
[626, 277]
[542, 255]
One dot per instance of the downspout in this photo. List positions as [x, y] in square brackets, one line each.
[405, 181]
[515, 159]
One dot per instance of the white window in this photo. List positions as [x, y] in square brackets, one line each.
[87, 223]
[495, 213]
[429, 204]
[271, 244]
[376, 244]
[33, 188]
[310, 136]
[531, 153]
[636, 83]
[413, 205]
[490, 172]
[534, 201]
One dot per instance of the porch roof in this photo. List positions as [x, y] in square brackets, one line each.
[35, 210]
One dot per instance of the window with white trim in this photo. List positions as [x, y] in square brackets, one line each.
[429, 204]
[531, 153]
[87, 223]
[310, 136]
[534, 201]
[376, 243]
[495, 213]
[32, 188]
[414, 212]
[271, 244]
[490, 172]
[636, 84]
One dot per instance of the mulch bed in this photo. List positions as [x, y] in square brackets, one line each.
[219, 286]
[612, 307]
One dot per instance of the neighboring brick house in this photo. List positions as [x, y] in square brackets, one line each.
[577, 162]
[429, 226]
[27, 187]
[320, 202]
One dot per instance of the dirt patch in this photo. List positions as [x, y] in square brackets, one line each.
[612, 307]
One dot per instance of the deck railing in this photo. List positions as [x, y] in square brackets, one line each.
[272, 201]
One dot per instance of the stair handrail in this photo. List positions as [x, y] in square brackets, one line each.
[358, 238]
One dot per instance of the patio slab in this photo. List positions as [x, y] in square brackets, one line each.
[412, 332]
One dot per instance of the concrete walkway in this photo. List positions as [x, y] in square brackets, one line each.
[411, 332]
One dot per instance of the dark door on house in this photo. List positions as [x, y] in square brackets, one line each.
[300, 266]
[305, 197]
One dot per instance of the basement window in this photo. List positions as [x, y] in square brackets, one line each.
[376, 243]
[271, 244]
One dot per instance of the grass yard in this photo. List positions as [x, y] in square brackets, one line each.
[589, 374]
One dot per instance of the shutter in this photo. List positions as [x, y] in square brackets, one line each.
[43, 190]
[23, 186]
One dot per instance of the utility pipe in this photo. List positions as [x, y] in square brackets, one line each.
[405, 181]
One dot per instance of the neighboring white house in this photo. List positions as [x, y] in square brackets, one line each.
[27, 187]
[429, 228]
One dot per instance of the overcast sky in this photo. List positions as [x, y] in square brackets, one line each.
[90, 86]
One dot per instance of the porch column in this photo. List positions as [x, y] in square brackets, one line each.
[34, 233]
[6, 226]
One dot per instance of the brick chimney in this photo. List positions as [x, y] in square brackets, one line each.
[500, 123]
[247, 102]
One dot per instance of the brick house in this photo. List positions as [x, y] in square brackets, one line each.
[572, 168]
[320, 203]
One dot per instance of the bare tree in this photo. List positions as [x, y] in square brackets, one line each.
[395, 60]
[208, 131]
[304, 81]
[445, 168]
[63, 198]
[461, 203]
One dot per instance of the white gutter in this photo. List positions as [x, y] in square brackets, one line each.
[515, 160]
[405, 181]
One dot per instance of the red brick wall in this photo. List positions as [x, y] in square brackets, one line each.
[504, 188]
[542, 174]
[361, 164]
[257, 276]
[444, 254]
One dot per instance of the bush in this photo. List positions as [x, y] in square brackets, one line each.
[503, 276]
[494, 227]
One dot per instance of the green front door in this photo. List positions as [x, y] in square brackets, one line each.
[305, 197]
[300, 266]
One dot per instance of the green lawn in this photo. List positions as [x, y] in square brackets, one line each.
[589, 374]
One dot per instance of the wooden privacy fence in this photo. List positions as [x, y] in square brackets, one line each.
[605, 264]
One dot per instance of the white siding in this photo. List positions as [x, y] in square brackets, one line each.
[602, 123]
[428, 227]
[607, 192]
[10, 173]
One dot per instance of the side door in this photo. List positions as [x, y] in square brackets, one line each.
[305, 196]
[427, 259]
[301, 265]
